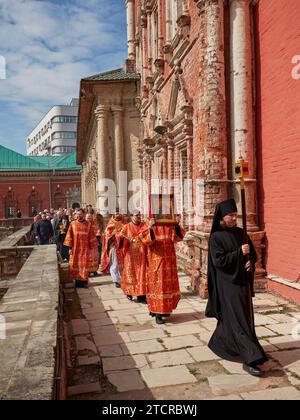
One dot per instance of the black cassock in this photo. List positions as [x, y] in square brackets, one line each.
[230, 299]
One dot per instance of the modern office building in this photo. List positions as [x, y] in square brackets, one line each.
[55, 135]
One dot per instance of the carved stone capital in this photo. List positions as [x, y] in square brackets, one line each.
[184, 20]
[149, 7]
[159, 65]
[201, 4]
[117, 109]
[101, 111]
[144, 20]
[150, 81]
[149, 142]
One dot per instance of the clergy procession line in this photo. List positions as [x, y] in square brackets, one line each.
[141, 259]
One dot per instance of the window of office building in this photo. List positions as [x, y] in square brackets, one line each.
[64, 135]
[63, 149]
[67, 119]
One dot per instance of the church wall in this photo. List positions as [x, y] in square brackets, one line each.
[22, 184]
[278, 127]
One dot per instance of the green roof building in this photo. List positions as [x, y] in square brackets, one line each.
[13, 161]
[35, 183]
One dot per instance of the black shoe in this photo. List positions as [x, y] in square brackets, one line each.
[81, 284]
[252, 370]
[117, 285]
[165, 315]
[151, 314]
[159, 319]
[141, 299]
[129, 297]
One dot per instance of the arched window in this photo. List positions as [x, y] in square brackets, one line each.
[59, 200]
[34, 203]
[11, 204]
[174, 9]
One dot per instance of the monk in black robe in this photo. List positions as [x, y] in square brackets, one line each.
[230, 287]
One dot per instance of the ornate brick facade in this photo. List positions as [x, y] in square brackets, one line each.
[204, 99]
[196, 103]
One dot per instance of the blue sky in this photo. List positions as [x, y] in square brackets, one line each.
[48, 46]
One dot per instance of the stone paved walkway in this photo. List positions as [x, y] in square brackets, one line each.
[128, 356]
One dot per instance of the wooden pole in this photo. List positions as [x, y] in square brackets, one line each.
[241, 170]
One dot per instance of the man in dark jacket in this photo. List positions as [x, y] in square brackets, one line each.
[61, 226]
[44, 230]
[230, 285]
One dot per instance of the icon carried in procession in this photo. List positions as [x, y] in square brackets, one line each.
[162, 209]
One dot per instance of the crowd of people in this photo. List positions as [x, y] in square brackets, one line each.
[140, 256]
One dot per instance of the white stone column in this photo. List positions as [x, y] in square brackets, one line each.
[119, 140]
[130, 28]
[103, 161]
[144, 44]
[190, 194]
[149, 37]
[83, 181]
[169, 29]
[170, 144]
[153, 34]
[160, 32]
[165, 167]
[242, 132]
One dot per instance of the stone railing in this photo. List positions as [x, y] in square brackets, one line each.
[13, 253]
[16, 224]
[5, 232]
[12, 260]
[29, 325]
[18, 238]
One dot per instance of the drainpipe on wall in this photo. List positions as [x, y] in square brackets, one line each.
[50, 192]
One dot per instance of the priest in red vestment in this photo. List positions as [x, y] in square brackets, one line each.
[163, 293]
[81, 239]
[112, 259]
[133, 281]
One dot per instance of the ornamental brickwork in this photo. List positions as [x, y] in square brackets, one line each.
[195, 103]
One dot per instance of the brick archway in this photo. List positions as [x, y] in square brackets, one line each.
[59, 200]
[34, 203]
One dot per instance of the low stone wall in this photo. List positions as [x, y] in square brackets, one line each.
[12, 260]
[16, 224]
[5, 232]
[12, 254]
[20, 237]
[28, 311]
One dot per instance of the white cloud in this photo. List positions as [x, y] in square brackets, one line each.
[50, 45]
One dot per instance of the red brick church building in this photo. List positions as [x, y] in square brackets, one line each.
[37, 183]
[220, 79]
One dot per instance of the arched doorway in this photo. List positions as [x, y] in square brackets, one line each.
[75, 206]
[34, 203]
[59, 200]
[73, 197]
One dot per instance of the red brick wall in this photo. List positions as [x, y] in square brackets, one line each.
[22, 187]
[277, 33]
[191, 67]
